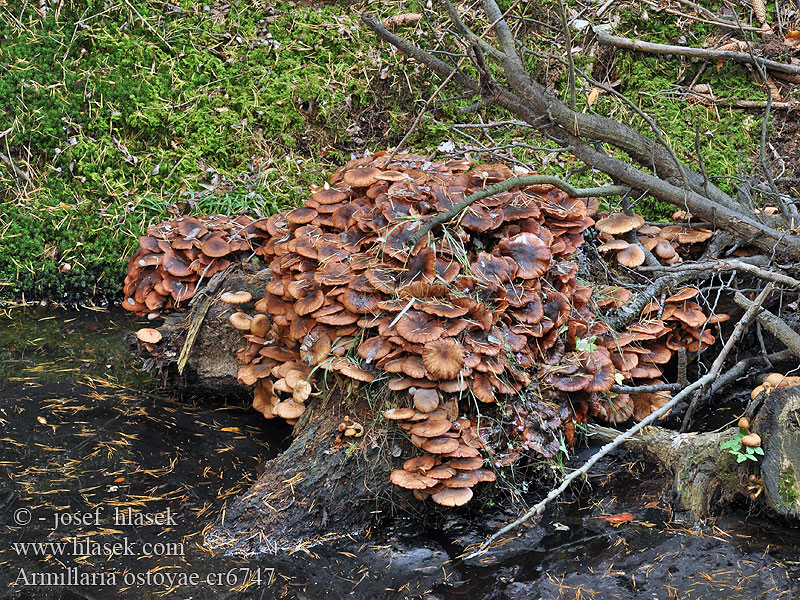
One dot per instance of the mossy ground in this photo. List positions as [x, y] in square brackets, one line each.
[125, 113]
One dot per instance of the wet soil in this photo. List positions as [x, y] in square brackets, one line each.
[86, 440]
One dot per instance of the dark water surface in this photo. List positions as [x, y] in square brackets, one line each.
[107, 486]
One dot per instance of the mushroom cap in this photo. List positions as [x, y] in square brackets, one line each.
[419, 464]
[464, 451]
[751, 440]
[399, 414]
[613, 245]
[411, 481]
[453, 496]
[426, 400]
[374, 348]
[240, 321]
[260, 325]
[441, 472]
[683, 294]
[418, 327]
[617, 223]
[781, 380]
[301, 391]
[236, 298]
[466, 464]
[462, 479]
[443, 358]
[485, 475]
[631, 257]
[216, 246]
[431, 428]
[440, 445]
[529, 252]
[148, 335]
[361, 177]
[289, 409]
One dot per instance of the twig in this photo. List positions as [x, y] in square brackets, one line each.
[730, 265]
[646, 389]
[512, 182]
[774, 324]
[539, 508]
[738, 331]
[705, 53]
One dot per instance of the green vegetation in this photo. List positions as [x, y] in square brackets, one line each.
[119, 114]
[739, 450]
[786, 487]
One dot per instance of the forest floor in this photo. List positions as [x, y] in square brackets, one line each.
[117, 115]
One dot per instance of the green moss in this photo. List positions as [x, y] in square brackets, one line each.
[124, 114]
[787, 486]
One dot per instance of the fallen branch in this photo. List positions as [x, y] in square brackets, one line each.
[503, 186]
[774, 324]
[539, 508]
[730, 265]
[703, 53]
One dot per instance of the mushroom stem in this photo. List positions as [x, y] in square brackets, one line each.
[503, 186]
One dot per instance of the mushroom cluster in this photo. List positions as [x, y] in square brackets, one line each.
[665, 242]
[636, 356]
[452, 463]
[480, 307]
[473, 307]
[175, 256]
[772, 381]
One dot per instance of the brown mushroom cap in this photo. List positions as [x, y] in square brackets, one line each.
[411, 481]
[453, 496]
[301, 391]
[426, 400]
[260, 325]
[529, 252]
[289, 409]
[418, 327]
[440, 445]
[466, 464]
[431, 428]
[236, 298]
[419, 464]
[148, 335]
[462, 479]
[240, 321]
[631, 257]
[399, 414]
[216, 246]
[361, 177]
[617, 223]
[443, 358]
[683, 294]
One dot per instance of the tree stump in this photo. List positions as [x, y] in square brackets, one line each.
[705, 479]
[315, 489]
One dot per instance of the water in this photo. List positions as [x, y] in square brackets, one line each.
[88, 445]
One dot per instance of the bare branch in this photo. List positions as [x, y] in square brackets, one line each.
[512, 182]
[704, 53]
